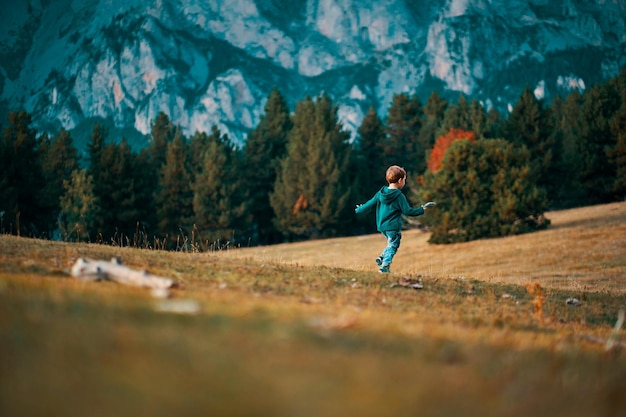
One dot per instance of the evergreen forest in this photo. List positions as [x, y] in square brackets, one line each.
[299, 174]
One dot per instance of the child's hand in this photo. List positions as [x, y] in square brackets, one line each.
[429, 204]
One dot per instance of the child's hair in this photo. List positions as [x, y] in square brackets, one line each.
[395, 174]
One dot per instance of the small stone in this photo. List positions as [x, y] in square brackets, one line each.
[574, 302]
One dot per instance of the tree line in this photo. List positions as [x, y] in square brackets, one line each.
[298, 175]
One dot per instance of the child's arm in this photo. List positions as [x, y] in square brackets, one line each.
[408, 210]
[367, 206]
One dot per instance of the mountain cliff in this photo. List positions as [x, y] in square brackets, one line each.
[213, 62]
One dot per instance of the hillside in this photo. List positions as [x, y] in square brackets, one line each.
[583, 248]
[309, 329]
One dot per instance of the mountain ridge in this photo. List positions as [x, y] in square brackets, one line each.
[214, 63]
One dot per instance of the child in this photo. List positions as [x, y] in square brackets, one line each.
[390, 204]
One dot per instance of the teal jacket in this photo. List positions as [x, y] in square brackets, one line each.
[390, 205]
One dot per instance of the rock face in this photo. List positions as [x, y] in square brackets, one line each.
[214, 62]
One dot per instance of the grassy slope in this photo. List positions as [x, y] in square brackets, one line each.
[309, 329]
[584, 248]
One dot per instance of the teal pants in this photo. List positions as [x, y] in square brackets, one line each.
[393, 243]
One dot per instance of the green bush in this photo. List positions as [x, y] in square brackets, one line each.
[483, 190]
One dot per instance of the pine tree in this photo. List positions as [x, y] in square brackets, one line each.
[79, 207]
[433, 112]
[619, 84]
[558, 167]
[617, 154]
[370, 148]
[117, 195]
[404, 123]
[370, 167]
[568, 125]
[481, 123]
[175, 197]
[163, 133]
[265, 147]
[456, 116]
[466, 116]
[8, 202]
[145, 191]
[95, 148]
[597, 173]
[529, 125]
[494, 123]
[313, 187]
[218, 203]
[96, 171]
[198, 145]
[149, 164]
[58, 159]
[22, 179]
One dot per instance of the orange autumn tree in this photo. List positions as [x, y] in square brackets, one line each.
[435, 161]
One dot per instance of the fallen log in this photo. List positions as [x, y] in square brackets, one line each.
[95, 270]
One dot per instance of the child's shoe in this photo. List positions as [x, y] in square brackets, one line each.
[384, 270]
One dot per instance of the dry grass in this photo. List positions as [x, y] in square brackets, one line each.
[310, 329]
[584, 249]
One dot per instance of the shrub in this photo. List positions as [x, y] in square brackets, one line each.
[483, 189]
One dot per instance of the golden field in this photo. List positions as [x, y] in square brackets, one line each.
[311, 329]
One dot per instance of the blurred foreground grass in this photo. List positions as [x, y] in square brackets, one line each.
[276, 339]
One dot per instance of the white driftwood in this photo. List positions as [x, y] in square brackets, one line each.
[94, 270]
[613, 342]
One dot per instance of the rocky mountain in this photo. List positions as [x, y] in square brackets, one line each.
[206, 62]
